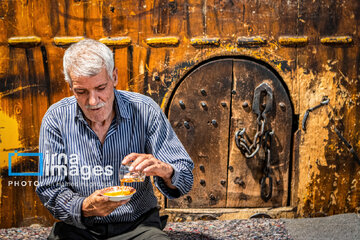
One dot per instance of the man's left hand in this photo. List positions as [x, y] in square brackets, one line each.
[151, 166]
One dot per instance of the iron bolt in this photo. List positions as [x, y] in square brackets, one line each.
[186, 124]
[282, 106]
[182, 104]
[223, 182]
[231, 168]
[213, 122]
[233, 92]
[203, 92]
[188, 198]
[203, 104]
[212, 197]
[245, 104]
[223, 104]
[202, 182]
[239, 181]
[202, 168]
[157, 78]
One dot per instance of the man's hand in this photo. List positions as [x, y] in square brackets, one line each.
[98, 205]
[151, 166]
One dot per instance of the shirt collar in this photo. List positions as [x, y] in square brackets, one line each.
[119, 104]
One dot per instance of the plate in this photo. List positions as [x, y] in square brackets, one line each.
[119, 193]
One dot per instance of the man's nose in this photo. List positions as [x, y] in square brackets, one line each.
[93, 99]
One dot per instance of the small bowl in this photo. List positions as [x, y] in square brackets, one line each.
[119, 193]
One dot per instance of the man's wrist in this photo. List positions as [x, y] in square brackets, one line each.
[168, 177]
[169, 173]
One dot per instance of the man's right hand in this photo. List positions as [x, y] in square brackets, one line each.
[98, 205]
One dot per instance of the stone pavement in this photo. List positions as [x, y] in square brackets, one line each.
[342, 226]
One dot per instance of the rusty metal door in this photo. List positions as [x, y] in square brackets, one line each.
[209, 109]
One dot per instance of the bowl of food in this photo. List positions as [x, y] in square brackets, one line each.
[119, 193]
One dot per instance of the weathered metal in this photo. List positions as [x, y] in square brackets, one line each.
[293, 41]
[251, 41]
[324, 102]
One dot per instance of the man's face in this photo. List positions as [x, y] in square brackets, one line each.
[95, 95]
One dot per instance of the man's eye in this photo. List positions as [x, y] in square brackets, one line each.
[80, 92]
[101, 88]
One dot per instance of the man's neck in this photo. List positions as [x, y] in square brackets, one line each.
[101, 128]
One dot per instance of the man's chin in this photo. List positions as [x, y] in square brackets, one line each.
[95, 115]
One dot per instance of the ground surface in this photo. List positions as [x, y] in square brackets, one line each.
[344, 226]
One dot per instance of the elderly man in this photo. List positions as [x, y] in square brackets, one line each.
[85, 138]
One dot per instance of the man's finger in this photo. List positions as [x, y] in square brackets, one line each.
[144, 164]
[101, 199]
[152, 170]
[129, 158]
[137, 161]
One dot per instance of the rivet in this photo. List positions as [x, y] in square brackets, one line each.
[245, 104]
[212, 197]
[213, 122]
[223, 182]
[202, 182]
[223, 104]
[282, 106]
[239, 181]
[182, 104]
[188, 198]
[157, 78]
[202, 168]
[231, 168]
[233, 92]
[203, 104]
[203, 92]
[186, 124]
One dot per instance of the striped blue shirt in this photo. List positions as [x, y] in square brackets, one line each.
[76, 163]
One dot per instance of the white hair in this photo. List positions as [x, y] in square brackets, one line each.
[87, 58]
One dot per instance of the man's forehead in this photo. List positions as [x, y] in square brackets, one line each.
[90, 81]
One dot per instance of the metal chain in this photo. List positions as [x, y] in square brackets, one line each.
[266, 194]
[262, 138]
[242, 144]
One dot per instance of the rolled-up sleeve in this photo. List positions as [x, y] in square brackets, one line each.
[163, 143]
[54, 190]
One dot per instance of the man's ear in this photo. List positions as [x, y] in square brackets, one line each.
[115, 77]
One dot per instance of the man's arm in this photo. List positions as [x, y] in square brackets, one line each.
[53, 190]
[166, 159]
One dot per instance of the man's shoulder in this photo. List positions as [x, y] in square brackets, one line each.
[137, 98]
[65, 104]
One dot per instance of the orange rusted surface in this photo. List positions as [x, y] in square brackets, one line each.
[153, 44]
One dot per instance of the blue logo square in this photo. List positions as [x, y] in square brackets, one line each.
[40, 155]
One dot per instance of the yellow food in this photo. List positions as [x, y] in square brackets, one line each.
[117, 193]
